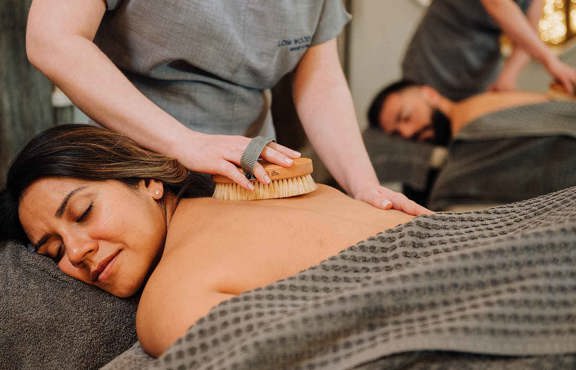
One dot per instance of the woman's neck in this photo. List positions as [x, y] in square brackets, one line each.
[170, 203]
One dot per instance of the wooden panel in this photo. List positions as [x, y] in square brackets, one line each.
[25, 105]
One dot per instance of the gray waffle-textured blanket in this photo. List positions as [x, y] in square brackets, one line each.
[477, 286]
[550, 118]
[510, 155]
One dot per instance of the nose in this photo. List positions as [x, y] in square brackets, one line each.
[407, 130]
[79, 247]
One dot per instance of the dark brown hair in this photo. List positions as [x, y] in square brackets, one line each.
[94, 153]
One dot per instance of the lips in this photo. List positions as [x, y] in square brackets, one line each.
[95, 274]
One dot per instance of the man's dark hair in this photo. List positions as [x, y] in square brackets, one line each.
[380, 98]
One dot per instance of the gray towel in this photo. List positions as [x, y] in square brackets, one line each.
[51, 321]
[510, 155]
[498, 282]
[551, 118]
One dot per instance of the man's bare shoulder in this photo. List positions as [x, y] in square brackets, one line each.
[479, 105]
[503, 98]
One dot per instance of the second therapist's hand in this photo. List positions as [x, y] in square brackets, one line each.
[220, 155]
[384, 198]
[563, 74]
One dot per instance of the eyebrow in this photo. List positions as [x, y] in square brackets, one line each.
[64, 203]
[59, 212]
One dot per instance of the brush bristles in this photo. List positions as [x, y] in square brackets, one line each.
[282, 188]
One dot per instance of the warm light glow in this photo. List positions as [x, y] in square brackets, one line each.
[552, 27]
[573, 16]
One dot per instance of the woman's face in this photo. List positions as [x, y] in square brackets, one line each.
[104, 233]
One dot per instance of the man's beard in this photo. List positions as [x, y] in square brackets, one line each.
[442, 128]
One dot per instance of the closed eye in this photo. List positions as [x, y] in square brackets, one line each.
[59, 254]
[85, 214]
[54, 250]
[405, 118]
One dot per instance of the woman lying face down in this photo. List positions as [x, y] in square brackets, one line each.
[103, 233]
[127, 220]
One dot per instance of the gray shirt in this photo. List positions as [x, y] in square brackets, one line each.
[207, 63]
[455, 48]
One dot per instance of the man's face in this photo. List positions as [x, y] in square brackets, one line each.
[408, 113]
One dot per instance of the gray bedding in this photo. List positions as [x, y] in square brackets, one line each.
[48, 320]
[510, 155]
[551, 118]
[485, 289]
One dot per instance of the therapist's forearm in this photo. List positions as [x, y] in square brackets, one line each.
[534, 13]
[519, 28]
[519, 57]
[516, 61]
[99, 88]
[325, 107]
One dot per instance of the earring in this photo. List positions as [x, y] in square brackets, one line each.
[157, 193]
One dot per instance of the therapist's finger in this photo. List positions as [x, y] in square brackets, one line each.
[384, 198]
[567, 85]
[229, 170]
[409, 206]
[274, 156]
[260, 174]
[284, 150]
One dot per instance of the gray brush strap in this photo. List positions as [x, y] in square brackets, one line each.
[252, 153]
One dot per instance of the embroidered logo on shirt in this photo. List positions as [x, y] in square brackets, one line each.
[295, 44]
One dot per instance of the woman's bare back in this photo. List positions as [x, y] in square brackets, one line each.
[218, 249]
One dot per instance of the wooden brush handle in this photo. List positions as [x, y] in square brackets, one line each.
[301, 167]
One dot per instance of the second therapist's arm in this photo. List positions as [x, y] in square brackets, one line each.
[519, 57]
[516, 26]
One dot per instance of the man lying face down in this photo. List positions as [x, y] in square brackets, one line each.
[419, 112]
[524, 140]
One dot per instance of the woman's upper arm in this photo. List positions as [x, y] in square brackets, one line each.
[164, 317]
[53, 19]
[177, 294]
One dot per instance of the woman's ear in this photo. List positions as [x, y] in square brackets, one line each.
[153, 187]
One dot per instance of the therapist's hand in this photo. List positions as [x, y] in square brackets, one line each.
[384, 198]
[563, 74]
[220, 155]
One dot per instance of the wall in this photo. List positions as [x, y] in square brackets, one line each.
[379, 31]
[25, 107]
